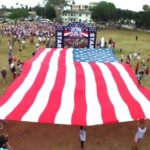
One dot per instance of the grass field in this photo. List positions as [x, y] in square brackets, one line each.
[124, 39]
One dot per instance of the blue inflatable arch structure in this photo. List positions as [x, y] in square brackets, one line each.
[75, 30]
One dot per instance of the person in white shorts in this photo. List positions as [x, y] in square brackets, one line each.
[139, 134]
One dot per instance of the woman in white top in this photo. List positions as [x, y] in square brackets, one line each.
[139, 134]
[82, 136]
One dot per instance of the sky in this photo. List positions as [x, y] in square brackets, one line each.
[135, 5]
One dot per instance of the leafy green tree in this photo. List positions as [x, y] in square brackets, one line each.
[104, 11]
[39, 10]
[18, 13]
[142, 19]
[58, 5]
[125, 14]
[50, 12]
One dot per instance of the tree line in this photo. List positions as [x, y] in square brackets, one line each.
[102, 12]
[107, 12]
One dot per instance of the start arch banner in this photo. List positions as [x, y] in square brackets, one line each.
[75, 34]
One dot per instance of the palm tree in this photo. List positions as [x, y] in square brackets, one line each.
[3, 9]
[12, 7]
[73, 2]
[21, 5]
[17, 4]
[146, 7]
[26, 7]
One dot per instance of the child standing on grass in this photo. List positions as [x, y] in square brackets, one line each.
[139, 134]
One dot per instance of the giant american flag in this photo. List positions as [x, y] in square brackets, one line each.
[75, 87]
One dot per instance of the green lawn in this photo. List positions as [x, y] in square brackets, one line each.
[26, 54]
[123, 38]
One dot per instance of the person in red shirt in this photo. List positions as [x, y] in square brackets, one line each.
[148, 58]
[147, 71]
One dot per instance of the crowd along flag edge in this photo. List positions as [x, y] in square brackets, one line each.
[75, 87]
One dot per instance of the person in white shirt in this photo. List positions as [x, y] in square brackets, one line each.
[82, 136]
[139, 134]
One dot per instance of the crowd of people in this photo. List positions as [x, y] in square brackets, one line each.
[106, 44]
[38, 34]
[75, 43]
[139, 64]
[21, 35]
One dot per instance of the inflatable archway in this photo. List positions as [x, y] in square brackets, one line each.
[75, 31]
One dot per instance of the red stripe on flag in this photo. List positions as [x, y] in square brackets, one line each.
[133, 106]
[80, 109]
[53, 105]
[16, 84]
[107, 109]
[38, 53]
[30, 96]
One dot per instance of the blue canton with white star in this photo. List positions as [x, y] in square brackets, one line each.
[101, 55]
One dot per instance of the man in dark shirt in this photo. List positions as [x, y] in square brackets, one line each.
[3, 73]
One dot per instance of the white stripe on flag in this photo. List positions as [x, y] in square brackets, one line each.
[18, 95]
[42, 97]
[65, 111]
[66, 34]
[135, 92]
[84, 34]
[120, 107]
[93, 115]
